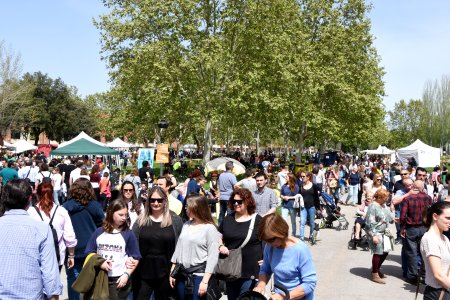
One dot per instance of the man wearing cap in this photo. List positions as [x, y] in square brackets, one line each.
[227, 180]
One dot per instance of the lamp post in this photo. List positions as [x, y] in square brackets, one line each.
[162, 125]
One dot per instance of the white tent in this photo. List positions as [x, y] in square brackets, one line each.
[22, 146]
[425, 155]
[81, 136]
[118, 143]
[382, 150]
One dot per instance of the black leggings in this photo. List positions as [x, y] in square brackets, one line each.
[377, 261]
[145, 288]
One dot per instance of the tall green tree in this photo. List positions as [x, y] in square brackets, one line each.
[54, 108]
[13, 93]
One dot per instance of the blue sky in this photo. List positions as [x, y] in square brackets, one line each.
[57, 37]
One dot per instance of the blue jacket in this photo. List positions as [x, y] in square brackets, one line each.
[85, 220]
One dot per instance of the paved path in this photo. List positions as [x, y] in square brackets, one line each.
[344, 273]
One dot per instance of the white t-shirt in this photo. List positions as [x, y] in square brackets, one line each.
[433, 245]
[75, 174]
[57, 179]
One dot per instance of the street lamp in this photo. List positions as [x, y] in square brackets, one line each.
[163, 124]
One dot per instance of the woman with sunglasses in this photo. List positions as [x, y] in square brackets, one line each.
[128, 194]
[157, 230]
[196, 253]
[377, 183]
[287, 258]
[234, 229]
[310, 194]
[288, 192]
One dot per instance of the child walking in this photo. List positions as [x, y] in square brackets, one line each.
[115, 242]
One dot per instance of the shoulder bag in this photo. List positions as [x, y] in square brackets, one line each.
[54, 233]
[229, 268]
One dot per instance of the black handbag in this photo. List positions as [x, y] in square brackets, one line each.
[229, 268]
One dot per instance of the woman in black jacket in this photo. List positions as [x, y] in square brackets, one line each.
[157, 230]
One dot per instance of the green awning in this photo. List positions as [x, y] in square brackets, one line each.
[84, 147]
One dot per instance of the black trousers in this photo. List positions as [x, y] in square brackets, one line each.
[432, 293]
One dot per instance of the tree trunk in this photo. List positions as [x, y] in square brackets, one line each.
[301, 143]
[208, 140]
[257, 142]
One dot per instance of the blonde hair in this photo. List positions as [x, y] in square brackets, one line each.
[144, 219]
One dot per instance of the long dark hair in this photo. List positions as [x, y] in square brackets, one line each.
[134, 200]
[437, 208]
[108, 223]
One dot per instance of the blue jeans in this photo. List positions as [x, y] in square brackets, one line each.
[309, 213]
[285, 212]
[238, 287]
[72, 275]
[56, 197]
[179, 286]
[411, 242]
[352, 194]
[223, 208]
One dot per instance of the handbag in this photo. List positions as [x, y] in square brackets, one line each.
[229, 268]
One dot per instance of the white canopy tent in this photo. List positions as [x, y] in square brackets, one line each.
[22, 146]
[426, 156]
[382, 150]
[118, 143]
[81, 136]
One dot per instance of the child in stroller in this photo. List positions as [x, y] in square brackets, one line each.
[331, 212]
[357, 238]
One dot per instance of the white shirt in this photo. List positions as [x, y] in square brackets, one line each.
[75, 174]
[57, 179]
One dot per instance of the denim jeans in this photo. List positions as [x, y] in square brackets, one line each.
[411, 243]
[352, 194]
[285, 212]
[309, 213]
[72, 275]
[56, 197]
[223, 208]
[179, 286]
[238, 287]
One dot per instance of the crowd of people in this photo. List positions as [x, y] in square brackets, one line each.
[152, 237]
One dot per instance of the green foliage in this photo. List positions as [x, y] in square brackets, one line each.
[54, 108]
[230, 67]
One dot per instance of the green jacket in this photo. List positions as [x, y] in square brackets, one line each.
[92, 281]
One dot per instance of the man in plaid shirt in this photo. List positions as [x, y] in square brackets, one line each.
[412, 229]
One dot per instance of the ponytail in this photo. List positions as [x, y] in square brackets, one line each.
[437, 208]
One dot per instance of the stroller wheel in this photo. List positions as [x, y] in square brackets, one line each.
[345, 227]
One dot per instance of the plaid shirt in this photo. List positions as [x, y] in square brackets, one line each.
[413, 207]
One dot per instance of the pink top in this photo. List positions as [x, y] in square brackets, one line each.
[62, 224]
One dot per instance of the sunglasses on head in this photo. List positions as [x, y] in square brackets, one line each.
[153, 200]
[238, 202]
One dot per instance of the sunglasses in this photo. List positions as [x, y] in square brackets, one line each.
[422, 175]
[153, 200]
[403, 174]
[271, 240]
[128, 190]
[238, 202]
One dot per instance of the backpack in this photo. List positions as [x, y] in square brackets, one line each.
[55, 235]
[47, 179]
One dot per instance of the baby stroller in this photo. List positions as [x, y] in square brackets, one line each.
[331, 213]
